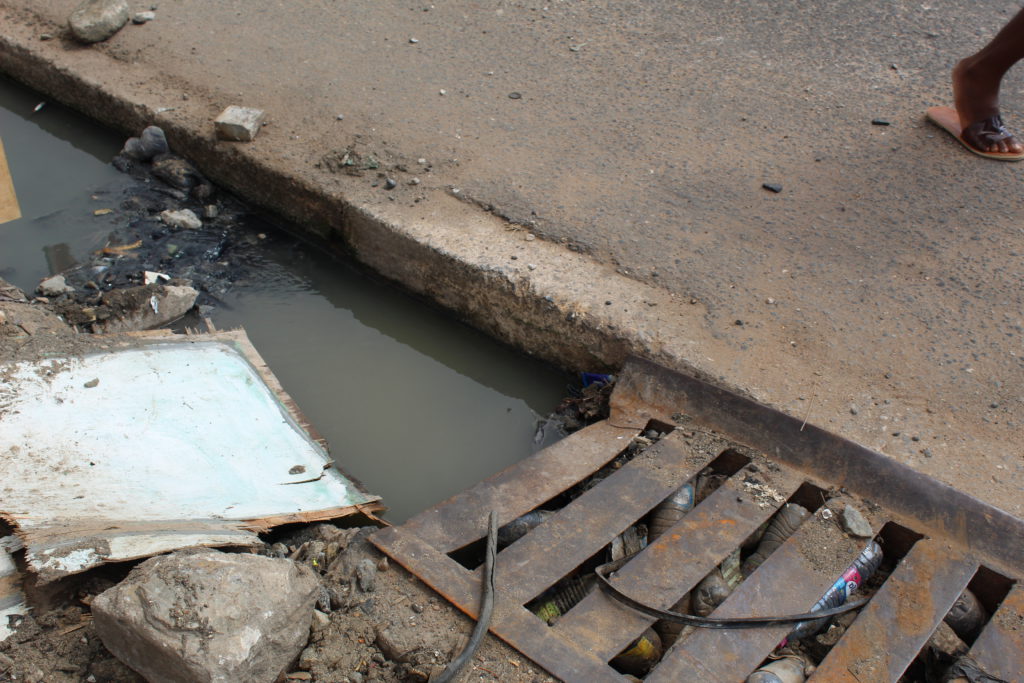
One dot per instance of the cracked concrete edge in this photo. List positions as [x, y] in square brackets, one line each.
[457, 256]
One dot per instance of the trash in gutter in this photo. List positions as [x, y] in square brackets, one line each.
[155, 443]
[9, 209]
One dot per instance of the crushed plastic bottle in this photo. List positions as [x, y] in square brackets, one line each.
[782, 526]
[785, 670]
[966, 616]
[716, 586]
[670, 511]
[855, 575]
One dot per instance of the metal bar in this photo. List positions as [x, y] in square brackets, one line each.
[662, 573]
[890, 632]
[788, 582]
[999, 650]
[587, 524]
[511, 622]
[648, 391]
[520, 488]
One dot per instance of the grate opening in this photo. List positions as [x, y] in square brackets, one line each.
[471, 556]
[960, 627]
[559, 599]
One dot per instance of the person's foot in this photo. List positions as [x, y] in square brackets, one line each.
[976, 98]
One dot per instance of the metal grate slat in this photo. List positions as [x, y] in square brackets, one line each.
[511, 622]
[447, 526]
[902, 615]
[672, 565]
[999, 650]
[589, 523]
[787, 583]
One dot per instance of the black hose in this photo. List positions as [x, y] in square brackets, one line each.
[710, 622]
[483, 621]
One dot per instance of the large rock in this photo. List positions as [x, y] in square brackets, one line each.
[203, 615]
[143, 308]
[96, 20]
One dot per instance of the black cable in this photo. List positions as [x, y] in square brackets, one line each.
[710, 622]
[483, 621]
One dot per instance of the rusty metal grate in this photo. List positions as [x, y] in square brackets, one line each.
[955, 536]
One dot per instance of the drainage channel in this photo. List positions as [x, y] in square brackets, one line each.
[413, 403]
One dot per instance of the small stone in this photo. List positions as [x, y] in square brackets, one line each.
[515, 96]
[211, 211]
[993, 405]
[531, 266]
[366, 575]
[772, 187]
[340, 117]
[143, 17]
[421, 161]
[769, 301]
[880, 122]
[417, 608]
[390, 183]
[92, 383]
[442, 91]
[413, 40]
[239, 124]
[855, 524]
[530, 237]
[54, 286]
[414, 181]
[320, 618]
[94, 21]
[45, 36]
[854, 409]
[182, 218]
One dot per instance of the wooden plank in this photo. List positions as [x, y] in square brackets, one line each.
[999, 650]
[893, 628]
[579, 530]
[789, 582]
[9, 209]
[516, 490]
[511, 622]
[671, 566]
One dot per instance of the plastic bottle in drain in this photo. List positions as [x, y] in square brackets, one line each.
[855, 575]
[789, 669]
[670, 511]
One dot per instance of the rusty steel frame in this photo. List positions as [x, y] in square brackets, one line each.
[959, 534]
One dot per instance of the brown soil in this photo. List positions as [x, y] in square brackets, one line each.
[391, 627]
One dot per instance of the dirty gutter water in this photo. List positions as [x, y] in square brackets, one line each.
[413, 403]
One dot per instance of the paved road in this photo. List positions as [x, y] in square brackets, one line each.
[879, 292]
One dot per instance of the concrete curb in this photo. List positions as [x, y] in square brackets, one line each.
[537, 296]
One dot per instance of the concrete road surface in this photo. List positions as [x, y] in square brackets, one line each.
[879, 294]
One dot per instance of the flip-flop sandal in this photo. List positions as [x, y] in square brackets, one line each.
[948, 120]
